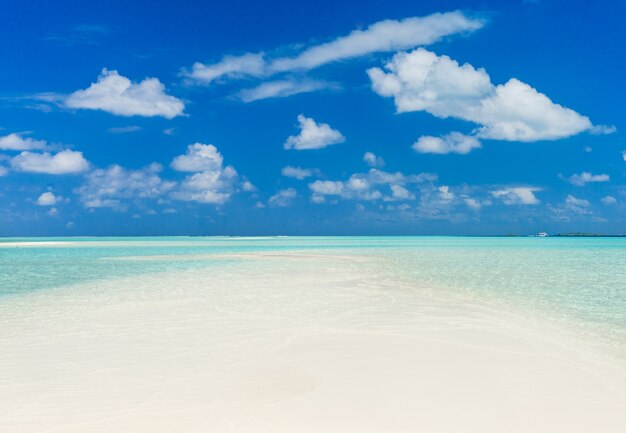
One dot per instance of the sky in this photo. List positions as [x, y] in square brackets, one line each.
[312, 118]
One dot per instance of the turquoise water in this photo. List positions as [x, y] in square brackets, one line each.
[575, 279]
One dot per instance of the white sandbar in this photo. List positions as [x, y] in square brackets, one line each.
[315, 345]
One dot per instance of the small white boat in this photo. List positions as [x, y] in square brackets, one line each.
[542, 234]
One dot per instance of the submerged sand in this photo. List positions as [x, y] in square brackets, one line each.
[293, 343]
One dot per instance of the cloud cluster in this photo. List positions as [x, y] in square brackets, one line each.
[211, 181]
[423, 81]
[313, 135]
[454, 142]
[108, 187]
[382, 36]
[373, 185]
[117, 95]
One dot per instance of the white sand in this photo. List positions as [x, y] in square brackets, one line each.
[288, 345]
[27, 244]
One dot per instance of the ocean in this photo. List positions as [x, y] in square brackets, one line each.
[574, 280]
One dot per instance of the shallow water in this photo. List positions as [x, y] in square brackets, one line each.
[578, 280]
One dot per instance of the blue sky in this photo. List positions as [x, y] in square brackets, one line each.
[206, 118]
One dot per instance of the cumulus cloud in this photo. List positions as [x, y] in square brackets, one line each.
[199, 157]
[117, 95]
[282, 89]
[64, 162]
[423, 81]
[297, 172]
[624, 155]
[18, 142]
[586, 177]
[327, 187]
[313, 135]
[454, 142]
[3, 171]
[372, 160]
[212, 182]
[373, 185]
[382, 36]
[47, 199]
[283, 198]
[608, 200]
[521, 195]
[109, 187]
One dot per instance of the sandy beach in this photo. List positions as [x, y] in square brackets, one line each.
[292, 343]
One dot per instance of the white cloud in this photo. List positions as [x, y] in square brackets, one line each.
[472, 203]
[313, 135]
[608, 200]
[3, 171]
[578, 202]
[17, 142]
[372, 160]
[47, 199]
[64, 162]
[400, 193]
[624, 155]
[445, 194]
[211, 187]
[282, 89]
[454, 142]
[211, 182]
[383, 36]
[245, 65]
[296, 172]
[327, 187]
[369, 186]
[423, 81]
[283, 198]
[110, 186]
[117, 95]
[248, 186]
[199, 157]
[586, 177]
[517, 195]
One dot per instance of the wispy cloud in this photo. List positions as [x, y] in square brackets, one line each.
[380, 37]
[80, 34]
[124, 129]
[282, 89]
